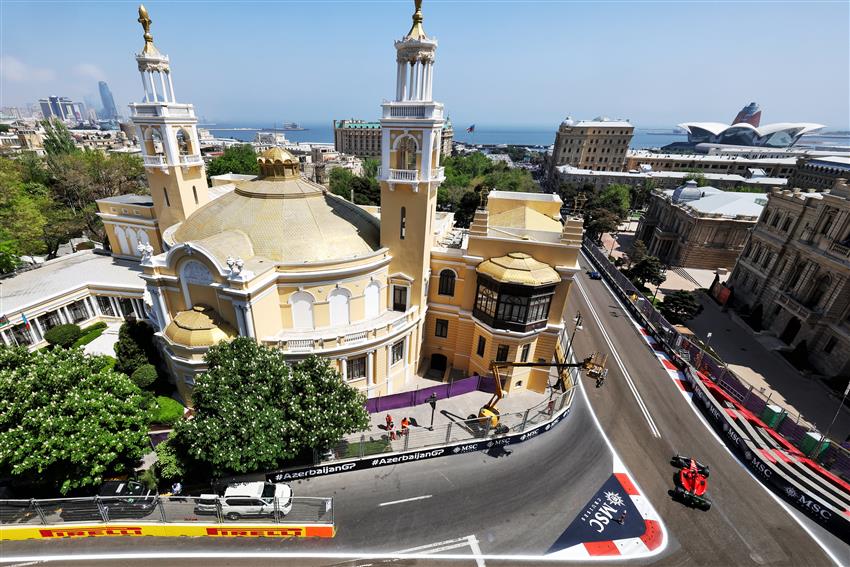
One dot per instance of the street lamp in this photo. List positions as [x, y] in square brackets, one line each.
[702, 350]
[663, 279]
[432, 399]
[614, 235]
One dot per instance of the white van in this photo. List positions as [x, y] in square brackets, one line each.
[248, 499]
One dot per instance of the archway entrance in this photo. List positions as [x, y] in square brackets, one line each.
[791, 330]
[439, 363]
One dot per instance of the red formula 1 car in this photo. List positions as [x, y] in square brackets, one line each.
[691, 482]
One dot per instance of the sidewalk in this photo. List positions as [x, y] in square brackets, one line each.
[748, 356]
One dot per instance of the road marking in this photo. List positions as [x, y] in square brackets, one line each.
[405, 500]
[447, 545]
[652, 427]
[476, 550]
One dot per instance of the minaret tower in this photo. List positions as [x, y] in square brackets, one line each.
[169, 138]
[410, 174]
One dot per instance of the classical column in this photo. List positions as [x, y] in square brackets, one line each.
[144, 88]
[249, 320]
[164, 90]
[95, 308]
[149, 75]
[163, 308]
[240, 319]
[6, 339]
[37, 330]
[400, 82]
[170, 87]
[406, 354]
[343, 368]
[370, 377]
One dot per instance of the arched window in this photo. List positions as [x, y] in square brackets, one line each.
[372, 296]
[302, 310]
[132, 242]
[338, 303]
[786, 225]
[184, 142]
[447, 283]
[143, 237]
[827, 223]
[153, 142]
[819, 290]
[406, 153]
[122, 241]
[795, 275]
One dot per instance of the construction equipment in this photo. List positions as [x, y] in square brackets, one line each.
[593, 364]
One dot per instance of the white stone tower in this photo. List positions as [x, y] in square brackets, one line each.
[168, 134]
[410, 167]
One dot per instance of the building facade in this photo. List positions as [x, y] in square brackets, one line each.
[599, 144]
[821, 173]
[710, 163]
[110, 111]
[698, 227]
[363, 139]
[386, 293]
[659, 179]
[795, 271]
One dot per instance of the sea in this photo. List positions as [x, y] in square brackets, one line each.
[483, 134]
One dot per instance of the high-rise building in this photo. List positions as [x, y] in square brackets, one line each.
[63, 108]
[599, 144]
[110, 111]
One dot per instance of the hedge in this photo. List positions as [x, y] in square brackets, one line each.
[63, 335]
[144, 375]
[167, 411]
[90, 333]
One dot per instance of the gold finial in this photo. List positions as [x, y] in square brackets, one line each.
[146, 22]
[416, 30]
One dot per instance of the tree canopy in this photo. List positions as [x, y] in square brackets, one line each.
[649, 269]
[67, 420]
[253, 411]
[241, 159]
[680, 306]
[365, 188]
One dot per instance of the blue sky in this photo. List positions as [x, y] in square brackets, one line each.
[499, 62]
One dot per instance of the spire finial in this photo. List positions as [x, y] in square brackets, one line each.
[146, 22]
[416, 30]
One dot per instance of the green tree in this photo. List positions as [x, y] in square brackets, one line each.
[21, 219]
[57, 139]
[168, 466]
[135, 347]
[9, 258]
[640, 193]
[67, 419]
[606, 210]
[696, 175]
[254, 412]
[241, 159]
[648, 270]
[680, 306]
[638, 252]
[370, 168]
[469, 203]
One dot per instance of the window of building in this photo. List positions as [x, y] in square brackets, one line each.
[397, 352]
[442, 328]
[786, 225]
[105, 306]
[22, 335]
[447, 283]
[79, 311]
[50, 320]
[482, 346]
[165, 193]
[356, 368]
[302, 310]
[502, 353]
[399, 298]
[195, 193]
[338, 300]
[827, 223]
[526, 348]
[830, 344]
[402, 225]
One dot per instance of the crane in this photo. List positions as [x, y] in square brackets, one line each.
[593, 364]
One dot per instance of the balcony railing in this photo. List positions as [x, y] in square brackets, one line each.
[413, 110]
[840, 250]
[409, 175]
[318, 340]
[801, 311]
[193, 159]
[154, 160]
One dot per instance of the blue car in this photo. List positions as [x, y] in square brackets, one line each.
[594, 275]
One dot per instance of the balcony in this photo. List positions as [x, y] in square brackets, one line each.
[191, 160]
[331, 339]
[409, 175]
[413, 109]
[154, 161]
[840, 250]
[150, 109]
[801, 311]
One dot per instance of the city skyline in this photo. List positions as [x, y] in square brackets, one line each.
[698, 74]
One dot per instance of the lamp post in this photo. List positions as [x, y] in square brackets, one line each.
[663, 279]
[614, 235]
[702, 350]
[432, 399]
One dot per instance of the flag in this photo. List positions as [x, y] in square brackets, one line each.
[25, 321]
[471, 129]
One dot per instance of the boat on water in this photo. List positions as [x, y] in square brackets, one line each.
[289, 127]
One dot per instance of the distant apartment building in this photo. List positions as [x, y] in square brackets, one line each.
[599, 144]
[699, 227]
[795, 270]
[363, 139]
[821, 173]
[708, 163]
[62, 108]
[661, 179]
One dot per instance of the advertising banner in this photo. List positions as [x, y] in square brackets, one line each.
[381, 460]
[59, 531]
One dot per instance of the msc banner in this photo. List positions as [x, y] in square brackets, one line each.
[807, 502]
[610, 515]
[410, 456]
[165, 530]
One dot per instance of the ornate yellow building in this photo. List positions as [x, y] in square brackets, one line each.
[388, 293]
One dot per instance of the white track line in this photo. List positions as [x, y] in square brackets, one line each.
[405, 500]
[652, 427]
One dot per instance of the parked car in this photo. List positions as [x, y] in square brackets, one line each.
[126, 498]
[248, 499]
[594, 275]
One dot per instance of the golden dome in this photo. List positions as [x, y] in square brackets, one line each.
[275, 153]
[198, 327]
[277, 163]
[519, 268]
[286, 220]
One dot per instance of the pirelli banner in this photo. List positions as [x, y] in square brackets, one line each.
[18, 532]
[386, 459]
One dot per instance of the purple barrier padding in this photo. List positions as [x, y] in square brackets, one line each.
[414, 398]
[755, 404]
[837, 461]
[487, 384]
[791, 430]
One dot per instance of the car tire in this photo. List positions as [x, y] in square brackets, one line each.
[232, 516]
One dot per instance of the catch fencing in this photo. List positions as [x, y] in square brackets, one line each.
[835, 458]
[163, 510]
